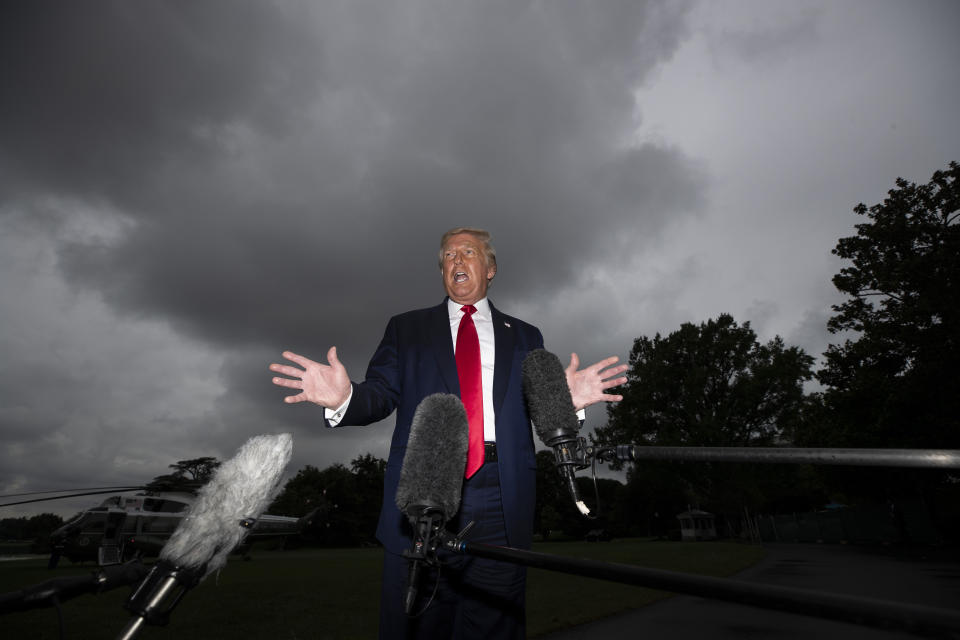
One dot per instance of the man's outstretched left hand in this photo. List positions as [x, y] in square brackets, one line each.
[588, 385]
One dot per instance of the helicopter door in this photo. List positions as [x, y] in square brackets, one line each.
[111, 545]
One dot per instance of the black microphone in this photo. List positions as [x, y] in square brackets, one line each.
[431, 478]
[553, 414]
[225, 510]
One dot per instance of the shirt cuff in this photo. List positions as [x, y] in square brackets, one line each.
[334, 416]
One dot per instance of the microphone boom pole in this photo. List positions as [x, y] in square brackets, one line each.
[916, 619]
[914, 458]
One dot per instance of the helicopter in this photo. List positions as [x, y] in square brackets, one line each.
[123, 527]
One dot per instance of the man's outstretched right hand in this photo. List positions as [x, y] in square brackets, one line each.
[325, 385]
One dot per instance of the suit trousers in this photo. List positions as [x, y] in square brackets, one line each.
[466, 598]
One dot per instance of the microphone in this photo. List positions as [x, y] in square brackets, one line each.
[553, 414]
[431, 478]
[225, 510]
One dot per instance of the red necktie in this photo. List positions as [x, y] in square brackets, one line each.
[471, 390]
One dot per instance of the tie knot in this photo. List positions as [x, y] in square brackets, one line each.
[468, 309]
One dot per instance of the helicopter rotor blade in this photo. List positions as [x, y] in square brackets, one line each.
[73, 495]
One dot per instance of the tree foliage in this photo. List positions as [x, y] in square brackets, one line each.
[894, 382]
[188, 475]
[198, 469]
[36, 527]
[709, 385]
[346, 500]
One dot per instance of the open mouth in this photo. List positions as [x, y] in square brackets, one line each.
[459, 277]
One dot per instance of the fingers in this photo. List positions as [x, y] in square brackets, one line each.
[600, 370]
[300, 360]
[317, 382]
[287, 371]
[603, 364]
[574, 364]
[597, 366]
[288, 383]
[614, 383]
[616, 371]
[333, 359]
[300, 397]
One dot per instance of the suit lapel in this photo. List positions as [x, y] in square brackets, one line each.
[438, 335]
[503, 365]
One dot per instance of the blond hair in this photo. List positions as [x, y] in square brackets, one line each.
[480, 234]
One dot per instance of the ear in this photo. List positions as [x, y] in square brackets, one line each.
[491, 271]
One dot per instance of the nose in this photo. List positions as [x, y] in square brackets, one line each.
[458, 258]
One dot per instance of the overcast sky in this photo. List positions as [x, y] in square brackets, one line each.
[189, 188]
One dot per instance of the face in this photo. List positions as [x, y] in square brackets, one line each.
[466, 274]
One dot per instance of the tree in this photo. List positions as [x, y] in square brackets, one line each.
[347, 500]
[710, 385]
[188, 475]
[368, 472]
[36, 527]
[894, 384]
[199, 469]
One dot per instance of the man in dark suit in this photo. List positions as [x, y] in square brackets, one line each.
[467, 347]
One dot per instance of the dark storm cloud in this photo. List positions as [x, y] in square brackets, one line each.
[190, 187]
[278, 160]
[287, 172]
[236, 178]
[110, 99]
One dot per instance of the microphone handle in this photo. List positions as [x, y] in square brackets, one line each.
[571, 478]
[427, 522]
[158, 594]
[568, 453]
[412, 580]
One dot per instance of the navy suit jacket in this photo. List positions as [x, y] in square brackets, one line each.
[416, 359]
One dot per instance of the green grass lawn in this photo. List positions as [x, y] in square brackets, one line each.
[319, 594]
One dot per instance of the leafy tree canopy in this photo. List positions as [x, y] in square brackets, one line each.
[895, 382]
[709, 385]
[38, 526]
[346, 501]
[199, 469]
[188, 475]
